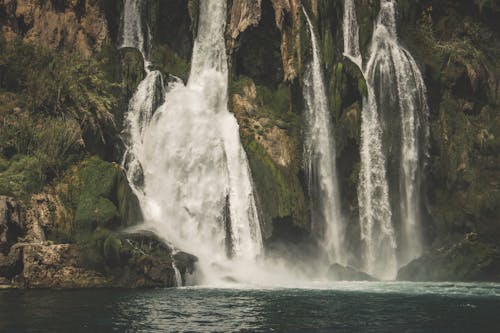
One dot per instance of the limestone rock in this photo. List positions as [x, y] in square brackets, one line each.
[56, 266]
[273, 138]
[287, 15]
[73, 25]
[243, 14]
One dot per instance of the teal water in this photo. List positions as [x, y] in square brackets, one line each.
[339, 307]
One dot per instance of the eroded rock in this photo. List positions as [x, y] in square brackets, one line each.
[73, 25]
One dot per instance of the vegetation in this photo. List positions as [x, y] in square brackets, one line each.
[52, 107]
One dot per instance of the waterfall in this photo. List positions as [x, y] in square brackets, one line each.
[178, 276]
[135, 29]
[148, 96]
[393, 143]
[351, 34]
[377, 231]
[320, 163]
[188, 150]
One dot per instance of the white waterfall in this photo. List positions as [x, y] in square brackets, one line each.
[135, 31]
[320, 162]
[148, 96]
[377, 231]
[178, 276]
[395, 89]
[197, 190]
[351, 34]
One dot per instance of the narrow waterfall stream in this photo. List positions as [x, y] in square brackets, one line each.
[351, 34]
[319, 157]
[186, 159]
[394, 132]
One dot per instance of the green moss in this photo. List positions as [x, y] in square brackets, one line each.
[99, 177]
[279, 190]
[170, 62]
[21, 176]
[105, 200]
[127, 202]
[276, 104]
[194, 8]
[95, 208]
[112, 248]
[96, 211]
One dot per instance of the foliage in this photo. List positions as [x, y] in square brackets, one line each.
[35, 151]
[53, 106]
[57, 84]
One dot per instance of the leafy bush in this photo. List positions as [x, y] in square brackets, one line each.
[50, 102]
[58, 84]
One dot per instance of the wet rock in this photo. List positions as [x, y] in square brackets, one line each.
[185, 262]
[338, 272]
[471, 259]
[12, 216]
[141, 259]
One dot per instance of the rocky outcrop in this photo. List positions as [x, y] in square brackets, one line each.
[272, 137]
[80, 244]
[47, 265]
[248, 13]
[473, 258]
[338, 272]
[243, 14]
[72, 25]
[288, 21]
[267, 128]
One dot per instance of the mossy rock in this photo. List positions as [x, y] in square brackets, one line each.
[278, 190]
[471, 259]
[106, 199]
[112, 248]
[20, 176]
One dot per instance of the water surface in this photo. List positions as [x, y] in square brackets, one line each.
[339, 307]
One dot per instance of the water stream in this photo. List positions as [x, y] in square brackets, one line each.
[393, 145]
[320, 160]
[186, 155]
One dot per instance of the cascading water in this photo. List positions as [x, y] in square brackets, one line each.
[399, 75]
[319, 156]
[396, 90]
[351, 34]
[148, 96]
[377, 231]
[135, 29]
[197, 188]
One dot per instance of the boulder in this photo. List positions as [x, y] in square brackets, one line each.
[471, 259]
[141, 259]
[338, 272]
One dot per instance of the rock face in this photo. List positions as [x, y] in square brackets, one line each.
[73, 25]
[44, 244]
[243, 14]
[287, 15]
[273, 138]
[471, 259]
